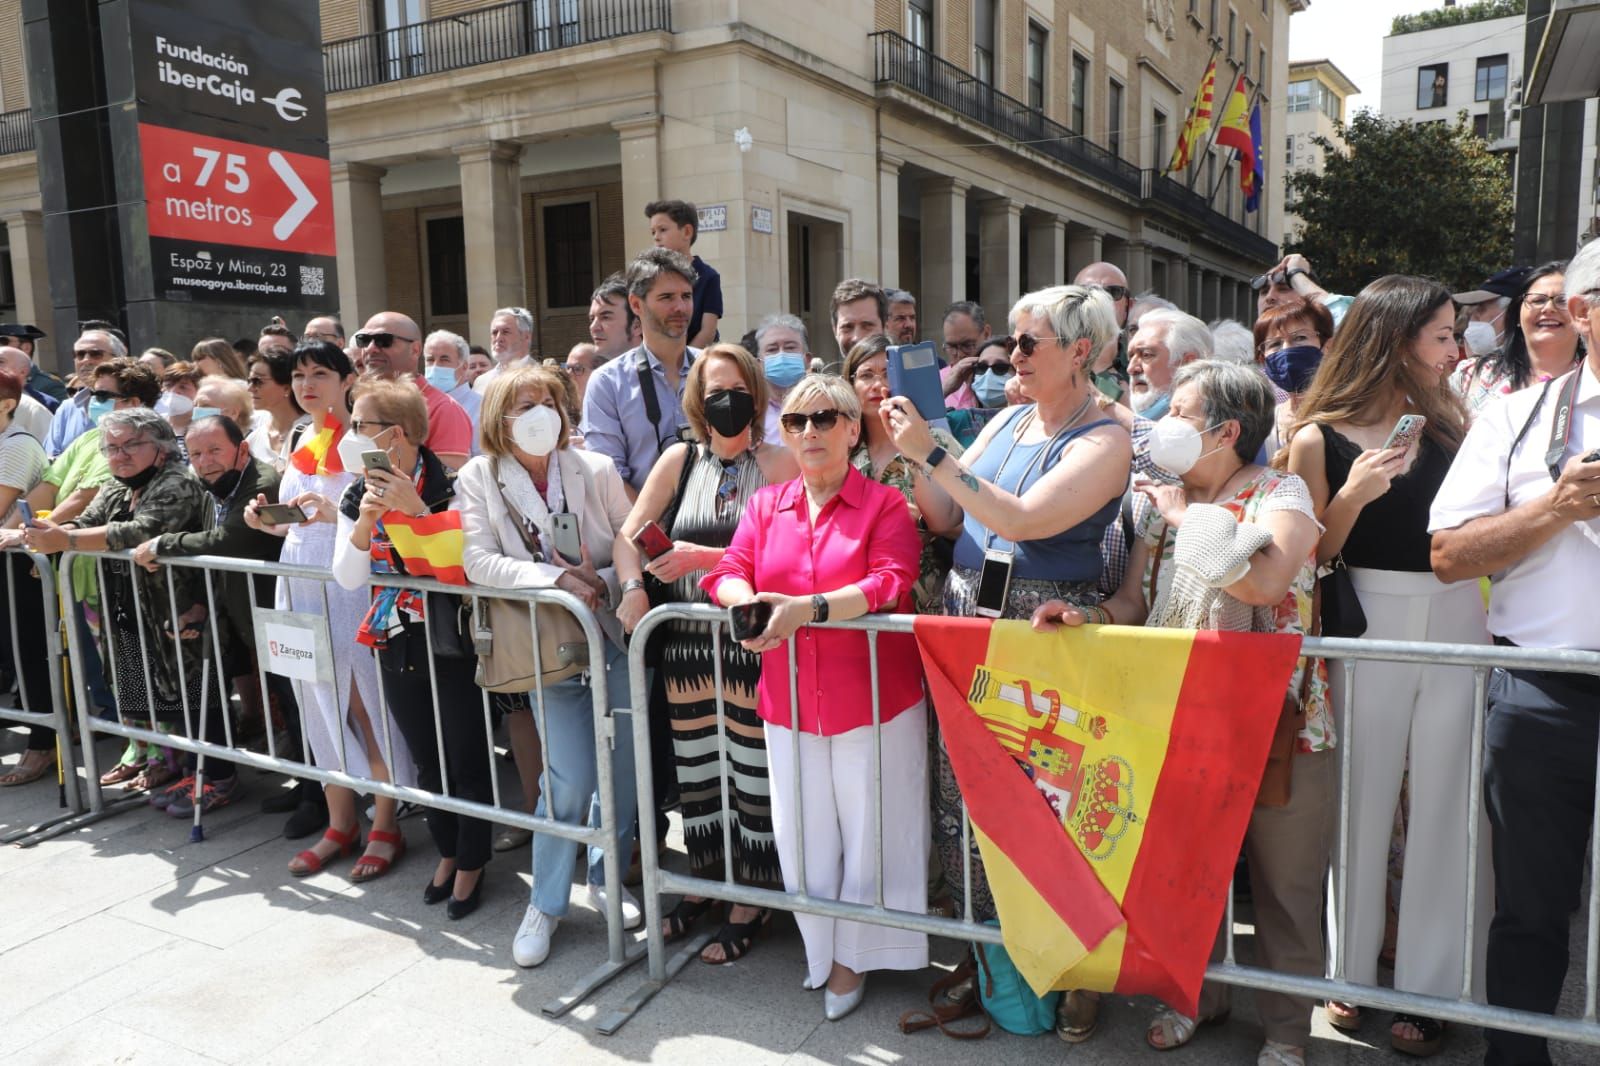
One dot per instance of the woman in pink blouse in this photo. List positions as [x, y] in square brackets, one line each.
[834, 545]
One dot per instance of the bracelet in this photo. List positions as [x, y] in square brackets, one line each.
[631, 584]
[935, 457]
[72, 539]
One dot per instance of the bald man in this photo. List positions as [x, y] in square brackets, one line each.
[33, 417]
[390, 347]
[1111, 363]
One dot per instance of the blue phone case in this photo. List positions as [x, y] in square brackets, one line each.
[914, 374]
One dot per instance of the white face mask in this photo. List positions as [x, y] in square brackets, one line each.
[174, 405]
[1175, 445]
[1479, 338]
[536, 430]
[351, 445]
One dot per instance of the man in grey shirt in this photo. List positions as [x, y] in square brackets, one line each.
[620, 418]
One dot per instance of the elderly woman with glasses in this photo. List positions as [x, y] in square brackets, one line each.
[833, 544]
[1037, 490]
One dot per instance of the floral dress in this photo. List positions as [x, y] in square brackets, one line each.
[900, 473]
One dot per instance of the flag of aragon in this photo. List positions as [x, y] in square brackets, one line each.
[1109, 773]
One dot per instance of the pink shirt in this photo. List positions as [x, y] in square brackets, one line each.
[449, 425]
[864, 536]
[963, 397]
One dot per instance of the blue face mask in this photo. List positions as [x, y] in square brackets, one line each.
[206, 412]
[442, 378]
[990, 388]
[1291, 369]
[98, 409]
[784, 369]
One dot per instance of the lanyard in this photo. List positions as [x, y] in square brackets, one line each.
[1038, 457]
[1560, 428]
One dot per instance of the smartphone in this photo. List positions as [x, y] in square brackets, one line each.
[25, 514]
[1592, 457]
[749, 620]
[377, 459]
[652, 541]
[282, 514]
[564, 532]
[1405, 432]
[994, 582]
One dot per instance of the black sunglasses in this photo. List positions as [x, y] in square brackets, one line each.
[1002, 367]
[104, 394]
[823, 420]
[1025, 343]
[378, 340]
[1261, 281]
[89, 353]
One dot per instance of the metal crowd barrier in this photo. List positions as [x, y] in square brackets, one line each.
[1479, 658]
[191, 739]
[58, 715]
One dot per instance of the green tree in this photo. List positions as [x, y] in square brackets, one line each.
[1405, 198]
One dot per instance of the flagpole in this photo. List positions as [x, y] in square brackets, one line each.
[1248, 107]
[1216, 124]
[1194, 106]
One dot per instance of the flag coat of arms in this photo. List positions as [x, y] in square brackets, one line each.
[1109, 774]
[1233, 129]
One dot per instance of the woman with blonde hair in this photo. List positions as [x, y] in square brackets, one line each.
[1372, 487]
[217, 356]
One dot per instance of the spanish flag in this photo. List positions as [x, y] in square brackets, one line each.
[430, 546]
[1109, 773]
[1198, 123]
[1234, 129]
[319, 452]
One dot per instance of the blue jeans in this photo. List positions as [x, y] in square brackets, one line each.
[570, 781]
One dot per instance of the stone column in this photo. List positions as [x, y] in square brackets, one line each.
[491, 207]
[999, 256]
[30, 276]
[1178, 281]
[944, 246]
[358, 227]
[641, 178]
[1047, 250]
[1138, 267]
[889, 222]
[1211, 296]
[1196, 291]
[1085, 245]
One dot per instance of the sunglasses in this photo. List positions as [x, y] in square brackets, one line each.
[823, 420]
[1261, 281]
[1026, 343]
[1002, 368]
[104, 394]
[378, 340]
[89, 353]
[1116, 292]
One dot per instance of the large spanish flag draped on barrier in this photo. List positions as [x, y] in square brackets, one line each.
[1109, 773]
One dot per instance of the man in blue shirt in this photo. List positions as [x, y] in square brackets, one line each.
[71, 421]
[633, 407]
[674, 225]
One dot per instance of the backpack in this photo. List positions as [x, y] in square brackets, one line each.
[1007, 997]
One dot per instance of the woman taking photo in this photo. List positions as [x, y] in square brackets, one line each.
[1289, 339]
[393, 418]
[342, 722]
[270, 384]
[832, 544]
[1240, 512]
[1038, 487]
[510, 497]
[1541, 343]
[1387, 361]
[696, 494]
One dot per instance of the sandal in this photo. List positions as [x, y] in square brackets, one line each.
[1177, 1029]
[1276, 1054]
[1077, 1016]
[1345, 1017]
[123, 771]
[380, 865]
[1427, 1044]
[736, 939]
[153, 776]
[681, 918]
[311, 863]
[23, 775]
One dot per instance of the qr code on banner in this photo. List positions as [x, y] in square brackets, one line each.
[312, 280]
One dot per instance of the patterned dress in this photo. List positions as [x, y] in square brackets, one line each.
[714, 498]
[899, 473]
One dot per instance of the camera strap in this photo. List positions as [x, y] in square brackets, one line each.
[1560, 427]
[652, 402]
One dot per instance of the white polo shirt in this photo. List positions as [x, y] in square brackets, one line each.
[1546, 599]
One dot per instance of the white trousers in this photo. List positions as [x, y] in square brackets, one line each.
[836, 775]
[1425, 710]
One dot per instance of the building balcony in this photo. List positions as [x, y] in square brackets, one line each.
[485, 35]
[901, 64]
[1178, 200]
[16, 131]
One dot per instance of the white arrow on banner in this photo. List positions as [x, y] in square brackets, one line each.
[304, 201]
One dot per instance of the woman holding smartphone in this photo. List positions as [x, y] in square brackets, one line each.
[1373, 477]
[341, 721]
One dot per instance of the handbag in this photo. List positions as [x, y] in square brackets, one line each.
[1007, 997]
[449, 626]
[1341, 614]
[508, 660]
[952, 998]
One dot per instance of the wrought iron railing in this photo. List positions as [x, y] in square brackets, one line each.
[902, 63]
[16, 131]
[1158, 189]
[485, 35]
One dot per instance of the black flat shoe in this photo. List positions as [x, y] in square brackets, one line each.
[457, 909]
[433, 893]
[284, 800]
[310, 817]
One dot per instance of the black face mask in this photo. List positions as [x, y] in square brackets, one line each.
[141, 479]
[730, 412]
[223, 487]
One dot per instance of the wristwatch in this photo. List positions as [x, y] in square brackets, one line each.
[819, 608]
[1288, 275]
[631, 584]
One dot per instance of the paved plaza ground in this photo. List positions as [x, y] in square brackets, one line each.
[125, 943]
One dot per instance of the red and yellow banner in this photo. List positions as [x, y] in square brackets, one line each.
[1233, 131]
[1198, 124]
[1109, 773]
[430, 546]
[319, 452]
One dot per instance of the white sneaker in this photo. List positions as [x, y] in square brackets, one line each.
[632, 916]
[532, 943]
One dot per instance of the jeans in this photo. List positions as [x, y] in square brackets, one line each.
[570, 780]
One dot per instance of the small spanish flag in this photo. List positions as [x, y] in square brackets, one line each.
[1109, 774]
[430, 546]
[319, 452]
[1233, 131]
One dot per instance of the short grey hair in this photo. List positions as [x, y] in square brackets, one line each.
[1230, 341]
[1073, 311]
[971, 308]
[1231, 392]
[1147, 302]
[831, 387]
[113, 342]
[650, 264]
[782, 321]
[522, 316]
[455, 340]
[140, 420]
[899, 296]
[1185, 334]
[1583, 272]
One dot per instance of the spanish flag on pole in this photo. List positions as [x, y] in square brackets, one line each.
[430, 546]
[1234, 130]
[1198, 124]
[319, 452]
[1109, 774]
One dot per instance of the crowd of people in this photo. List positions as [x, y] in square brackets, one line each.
[1381, 464]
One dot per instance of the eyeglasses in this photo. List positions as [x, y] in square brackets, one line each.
[104, 394]
[358, 425]
[961, 347]
[126, 449]
[1539, 301]
[823, 420]
[574, 369]
[312, 338]
[256, 383]
[378, 340]
[870, 378]
[89, 353]
[1261, 281]
[1026, 343]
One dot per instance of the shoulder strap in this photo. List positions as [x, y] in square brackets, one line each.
[1127, 521]
[1522, 433]
[516, 520]
[647, 387]
[670, 514]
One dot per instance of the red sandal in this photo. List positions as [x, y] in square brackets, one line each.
[378, 836]
[312, 863]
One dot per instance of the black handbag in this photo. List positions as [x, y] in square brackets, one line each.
[450, 626]
[1342, 615]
